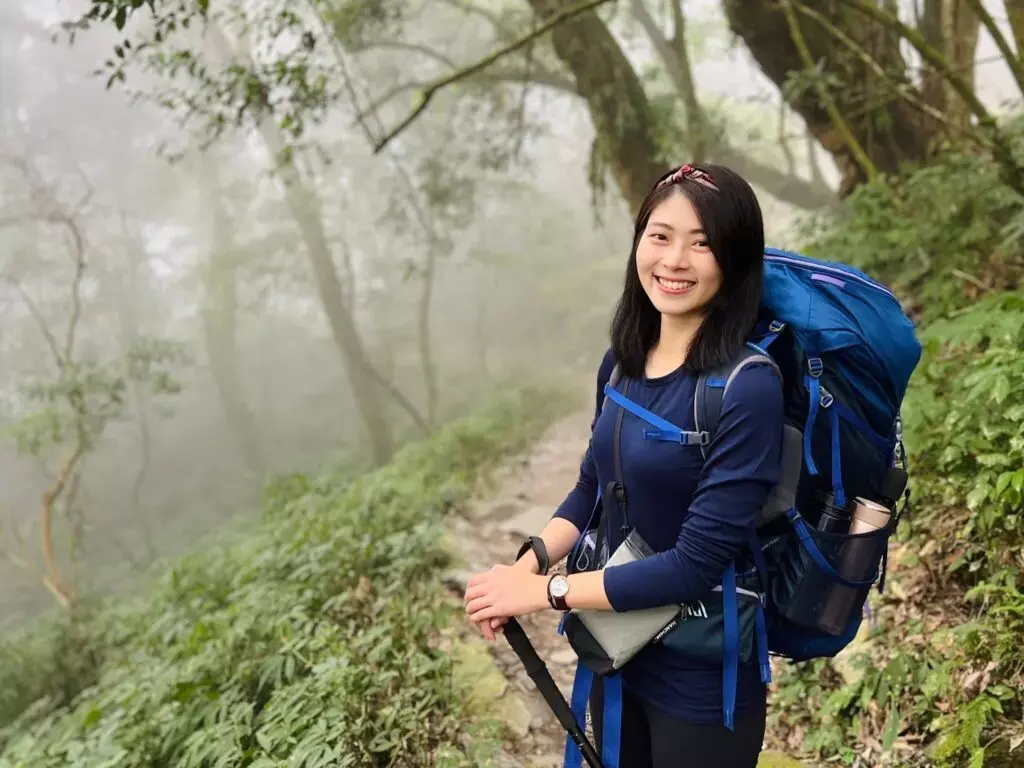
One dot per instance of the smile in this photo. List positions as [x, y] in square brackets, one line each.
[675, 287]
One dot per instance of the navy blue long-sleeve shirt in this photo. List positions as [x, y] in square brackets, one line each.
[695, 515]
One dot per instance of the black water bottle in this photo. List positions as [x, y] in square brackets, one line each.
[833, 519]
[807, 589]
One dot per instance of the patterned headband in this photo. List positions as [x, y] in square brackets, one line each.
[691, 174]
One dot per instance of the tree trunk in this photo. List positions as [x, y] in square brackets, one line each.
[619, 108]
[952, 28]
[220, 325]
[132, 293]
[624, 121]
[424, 335]
[305, 209]
[892, 133]
[962, 31]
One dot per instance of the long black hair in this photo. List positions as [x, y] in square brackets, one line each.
[731, 219]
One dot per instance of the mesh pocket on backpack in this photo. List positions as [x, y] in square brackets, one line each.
[820, 580]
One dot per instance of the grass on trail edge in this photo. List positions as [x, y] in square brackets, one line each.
[315, 641]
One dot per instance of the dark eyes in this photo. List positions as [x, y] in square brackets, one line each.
[664, 238]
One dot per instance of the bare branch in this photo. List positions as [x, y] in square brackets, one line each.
[37, 315]
[537, 73]
[548, 80]
[401, 45]
[486, 61]
[52, 212]
[78, 256]
[19, 541]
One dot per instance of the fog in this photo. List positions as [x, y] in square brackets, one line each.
[134, 242]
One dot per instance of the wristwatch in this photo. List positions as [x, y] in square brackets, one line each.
[558, 588]
[536, 543]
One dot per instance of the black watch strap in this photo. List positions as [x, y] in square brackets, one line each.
[536, 543]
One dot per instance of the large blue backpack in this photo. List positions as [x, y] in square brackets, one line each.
[845, 352]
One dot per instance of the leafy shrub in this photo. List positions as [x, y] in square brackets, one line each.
[938, 675]
[311, 643]
[50, 664]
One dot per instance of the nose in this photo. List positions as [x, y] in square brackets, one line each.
[677, 256]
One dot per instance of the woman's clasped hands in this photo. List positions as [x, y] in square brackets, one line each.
[503, 591]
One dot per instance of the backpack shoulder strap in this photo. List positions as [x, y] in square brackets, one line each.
[712, 386]
[613, 380]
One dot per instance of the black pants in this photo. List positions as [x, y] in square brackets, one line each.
[653, 739]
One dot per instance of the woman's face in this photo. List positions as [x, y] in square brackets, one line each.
[675, 264]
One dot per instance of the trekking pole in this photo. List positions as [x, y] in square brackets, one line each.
[538, 672]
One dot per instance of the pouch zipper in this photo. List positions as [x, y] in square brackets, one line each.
[739, 591]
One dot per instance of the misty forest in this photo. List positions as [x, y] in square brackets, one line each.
[300, 308]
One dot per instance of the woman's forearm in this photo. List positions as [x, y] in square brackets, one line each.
[586, 590]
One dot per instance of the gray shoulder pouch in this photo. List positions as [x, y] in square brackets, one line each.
[606, 640]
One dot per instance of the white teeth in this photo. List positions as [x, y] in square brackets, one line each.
[675, 285]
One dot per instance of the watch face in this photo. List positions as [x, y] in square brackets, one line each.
[559, 586]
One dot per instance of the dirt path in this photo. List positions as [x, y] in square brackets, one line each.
[520, 503]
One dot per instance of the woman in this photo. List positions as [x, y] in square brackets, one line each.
[690, 300]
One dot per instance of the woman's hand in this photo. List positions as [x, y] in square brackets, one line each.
[504, 591]
[490, 628]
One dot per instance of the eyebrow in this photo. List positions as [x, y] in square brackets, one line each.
[673, 229]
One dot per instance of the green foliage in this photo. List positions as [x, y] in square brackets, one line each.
[84, 396]
[49, 665]
[966, 421]
[315, 642]
[943, 668]
[933, 236]
[355, 20]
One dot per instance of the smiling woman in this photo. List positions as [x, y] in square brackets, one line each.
[700, 227]
[689, 301]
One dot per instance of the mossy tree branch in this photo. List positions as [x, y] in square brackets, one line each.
[428, 93]
[1015, 13]
[1001, 150]
[841, 126]
[1013, 61]
[904, 90]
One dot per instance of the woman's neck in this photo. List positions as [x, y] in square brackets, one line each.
[674, 340]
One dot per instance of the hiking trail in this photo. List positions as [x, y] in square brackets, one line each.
[519, 502]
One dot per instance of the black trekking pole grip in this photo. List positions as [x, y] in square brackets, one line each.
[538, 672]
